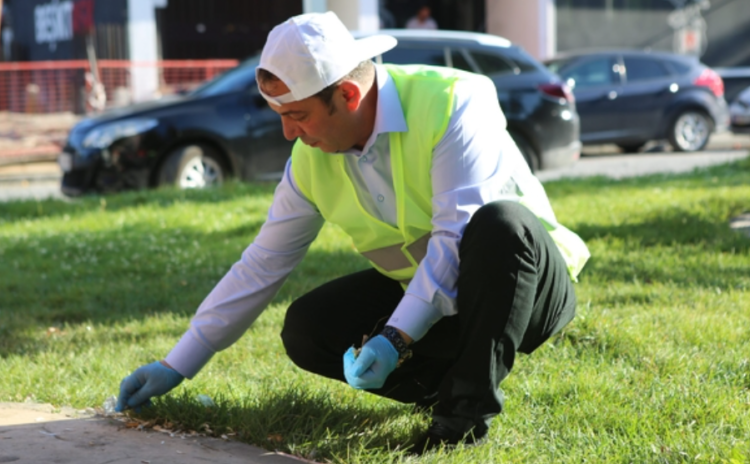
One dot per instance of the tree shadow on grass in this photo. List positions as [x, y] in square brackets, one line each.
[685, 234]
[672, 226]
[318, 425]
[18, 210]
[130, 273]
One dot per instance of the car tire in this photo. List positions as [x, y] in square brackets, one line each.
[631, 147]
[690, 131]
[192, 166]
[528, 152]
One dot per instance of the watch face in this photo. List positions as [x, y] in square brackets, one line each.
[392, 335]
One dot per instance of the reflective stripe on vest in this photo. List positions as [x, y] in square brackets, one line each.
[392, 258]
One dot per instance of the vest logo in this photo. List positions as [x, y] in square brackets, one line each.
[54, 23]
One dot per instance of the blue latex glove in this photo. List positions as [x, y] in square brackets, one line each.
[147, 381]
[375, 362]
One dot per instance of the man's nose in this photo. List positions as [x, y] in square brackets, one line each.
[291, 130]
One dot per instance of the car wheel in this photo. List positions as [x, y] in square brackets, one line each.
[192, 166]
[690, 131]
[528, 152]
[631, 147]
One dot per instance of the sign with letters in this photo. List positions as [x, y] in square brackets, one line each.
[53, 23]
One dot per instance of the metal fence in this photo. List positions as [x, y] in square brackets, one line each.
[71, 86]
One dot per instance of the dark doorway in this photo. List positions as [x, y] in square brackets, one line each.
[206, 29]
[457, 15]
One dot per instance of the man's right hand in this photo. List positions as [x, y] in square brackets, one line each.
[147, 381]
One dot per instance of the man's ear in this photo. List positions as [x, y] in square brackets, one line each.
[351, 93]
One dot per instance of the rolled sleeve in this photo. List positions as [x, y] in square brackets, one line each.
[252, 282]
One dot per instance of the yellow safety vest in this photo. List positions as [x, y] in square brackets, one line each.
[426, 95]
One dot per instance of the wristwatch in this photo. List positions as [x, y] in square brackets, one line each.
[398, 342]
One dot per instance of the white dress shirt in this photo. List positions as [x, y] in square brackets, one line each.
[475, 162]
[415, 23]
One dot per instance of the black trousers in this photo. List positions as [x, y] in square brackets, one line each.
[513, 293]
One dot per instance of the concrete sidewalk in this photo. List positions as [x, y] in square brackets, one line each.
[35, 433]
[38, 180]
[37, 171]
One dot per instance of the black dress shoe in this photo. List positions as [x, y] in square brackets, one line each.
[439, 434]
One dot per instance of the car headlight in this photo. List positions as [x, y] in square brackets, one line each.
[104, 135]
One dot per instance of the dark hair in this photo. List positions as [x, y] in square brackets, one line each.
[361, 73]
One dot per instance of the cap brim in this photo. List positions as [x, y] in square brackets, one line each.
[374, 45]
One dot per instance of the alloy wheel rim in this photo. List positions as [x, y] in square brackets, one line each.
[691, 131]
[200, 172]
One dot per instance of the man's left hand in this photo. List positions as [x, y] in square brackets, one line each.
[375, 362]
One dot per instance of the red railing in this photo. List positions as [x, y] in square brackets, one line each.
[67, 86]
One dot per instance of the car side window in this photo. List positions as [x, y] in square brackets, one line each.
[460, 61]
[236, 79]
[676, 67]
[522, 60]
[493, 64]
[644, 69]
[415, 55]
[598, 71]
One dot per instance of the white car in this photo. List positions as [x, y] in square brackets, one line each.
[739, 112]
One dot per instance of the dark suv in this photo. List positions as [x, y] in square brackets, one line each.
[539, 107]
[225, 128]
[632, 97]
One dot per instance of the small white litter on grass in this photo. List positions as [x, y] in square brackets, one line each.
[109, 405]
[205, 400]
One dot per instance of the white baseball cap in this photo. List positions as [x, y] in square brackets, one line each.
[309, 52]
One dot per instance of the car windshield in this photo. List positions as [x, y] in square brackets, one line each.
[234, 80]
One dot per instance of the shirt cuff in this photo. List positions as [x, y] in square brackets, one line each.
[414, 316]
[188, 356]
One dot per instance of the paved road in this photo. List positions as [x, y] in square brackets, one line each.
[42, 180]
[621, 166]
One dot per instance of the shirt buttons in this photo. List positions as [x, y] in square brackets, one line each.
[381, 198]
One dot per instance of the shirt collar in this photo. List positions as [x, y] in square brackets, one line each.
[389, 114]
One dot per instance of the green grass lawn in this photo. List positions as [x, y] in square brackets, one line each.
[655, 367]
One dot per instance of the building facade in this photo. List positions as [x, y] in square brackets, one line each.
[59, 29]
[152, 30]
[208, 29]
[715, 30]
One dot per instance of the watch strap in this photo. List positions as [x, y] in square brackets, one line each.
[398, 342]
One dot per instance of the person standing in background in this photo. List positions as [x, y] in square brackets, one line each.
[422, 20]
